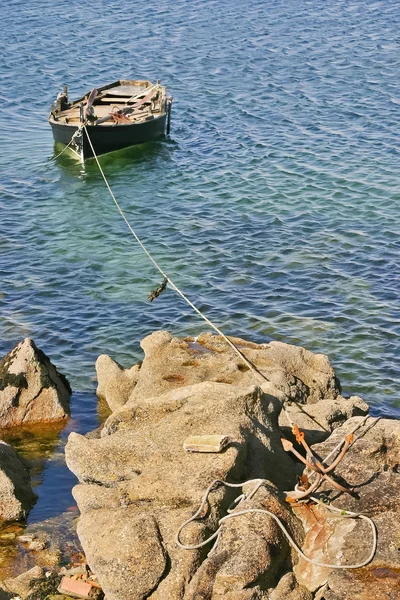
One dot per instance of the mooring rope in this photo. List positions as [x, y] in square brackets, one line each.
[72, 140]
[233, 514]
[255, 370]
[173, 285]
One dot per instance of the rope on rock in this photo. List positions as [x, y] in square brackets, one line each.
[252, 367]
[233, 514]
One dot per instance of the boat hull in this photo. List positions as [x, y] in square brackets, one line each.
[108, 138]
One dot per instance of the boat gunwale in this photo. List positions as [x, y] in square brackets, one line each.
[120, 82]
[112, 85]
[108, 124]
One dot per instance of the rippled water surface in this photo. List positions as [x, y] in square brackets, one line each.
[274, 204]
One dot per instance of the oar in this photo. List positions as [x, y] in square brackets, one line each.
[89, 104]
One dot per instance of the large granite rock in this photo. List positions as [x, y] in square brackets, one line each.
[372, 466]
[115, 383]
[16, 495]
[252, 552]
[291, 372]
[31, 389]
[138, 485]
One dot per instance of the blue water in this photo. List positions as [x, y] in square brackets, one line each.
[44, 449]
[275, 204]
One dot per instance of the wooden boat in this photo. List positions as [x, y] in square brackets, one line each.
[117, 115]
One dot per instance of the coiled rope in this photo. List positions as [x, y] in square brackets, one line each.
[233, 514]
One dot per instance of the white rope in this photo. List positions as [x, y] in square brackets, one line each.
[171, 283]
[259, 482]
[197, 513]
[72, 140]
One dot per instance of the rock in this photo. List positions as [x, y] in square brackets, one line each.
[133, 567]
[206, 443]
[292, 373]
[379, 583]
[26, 538]
[31, 389]
[313, 370]
[22, 584]
[70, 572]
[372, 466]
[115, 384]
[318, 420]
[59, 597]
[52, 541]
[138, 477]
[323, 543]
[16, 495]
[37, 545]
[138, 484]
[153, 433]
[251, 551]
[320, 594]
[33, 542]
[288, 588]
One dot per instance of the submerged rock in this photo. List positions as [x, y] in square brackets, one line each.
[16, 494]
[31, 389]
[22, 585]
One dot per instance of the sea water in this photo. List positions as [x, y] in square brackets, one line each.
[274, 204]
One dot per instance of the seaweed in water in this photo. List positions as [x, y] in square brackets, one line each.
[158, 290]
[45, 586]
